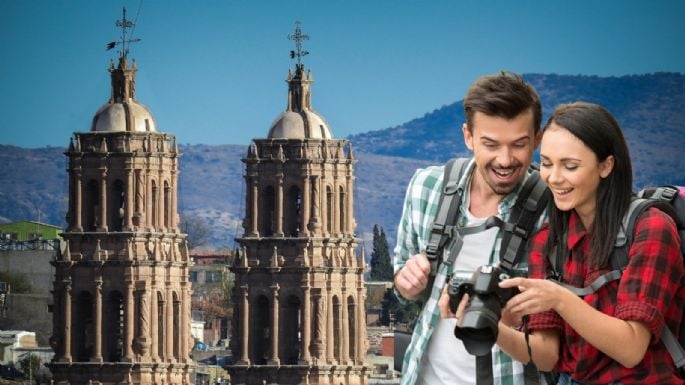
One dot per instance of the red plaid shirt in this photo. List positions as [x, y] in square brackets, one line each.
[650, 291]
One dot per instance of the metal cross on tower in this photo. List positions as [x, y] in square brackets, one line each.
[124, 24]
[298, 36]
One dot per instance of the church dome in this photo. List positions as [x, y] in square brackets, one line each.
[300, 125]
[123, 112]
[124, 116]
[299, 120]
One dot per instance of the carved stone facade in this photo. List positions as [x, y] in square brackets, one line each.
[299, 291]
[121, 289]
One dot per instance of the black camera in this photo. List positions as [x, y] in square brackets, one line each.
[477, 327]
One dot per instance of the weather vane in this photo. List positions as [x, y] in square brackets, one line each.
[298, 36]
[125, 24]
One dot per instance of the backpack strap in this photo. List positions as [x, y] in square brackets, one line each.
[448, 207]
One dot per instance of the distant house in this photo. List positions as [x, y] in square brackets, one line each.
[22, 231]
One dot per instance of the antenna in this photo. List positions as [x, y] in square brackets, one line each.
[298, 37]
[124, 24]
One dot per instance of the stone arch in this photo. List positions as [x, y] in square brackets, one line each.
[329, 209]
[154, 212]
[342, 208]
[91, 205]
[160, 312]
[337, 329]
[260, 331]
[267, 213]
[293, 210]
[113, 341]
[177, 326]
[292, 330]
[82, 326]
[352, 327]
[115, 205]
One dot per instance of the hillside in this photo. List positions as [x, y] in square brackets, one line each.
[211, 185]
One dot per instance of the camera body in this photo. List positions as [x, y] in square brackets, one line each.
[477, 327]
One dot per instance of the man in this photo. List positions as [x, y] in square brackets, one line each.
[502, 129]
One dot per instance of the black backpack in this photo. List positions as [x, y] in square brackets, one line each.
[669, 199]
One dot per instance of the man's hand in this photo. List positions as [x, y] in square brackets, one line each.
[444, 304]
[412, 279]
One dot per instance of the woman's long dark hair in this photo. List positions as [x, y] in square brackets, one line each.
[600, 132]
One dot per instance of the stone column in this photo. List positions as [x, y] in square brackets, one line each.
[274, 326]
[144, 311]
[350, 203]
[254, 212]
[330, 332]
[355, 332]
[306, 327]
[128, 208]
[169, 320]
[306, 204]
[66, 332]
[345, 328]
[315, 222]
[279, 205]
[173, 205]
[361, 326]
[78, 200]
[185, 323]
[97, 351]
[102, 226]
[245, 327]
[128, 322]
[154, 325]
[335, 229]
[319, 342]
[148, 199]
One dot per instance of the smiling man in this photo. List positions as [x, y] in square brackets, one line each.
[502, 130]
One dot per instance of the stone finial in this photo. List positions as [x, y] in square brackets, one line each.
[274, 258]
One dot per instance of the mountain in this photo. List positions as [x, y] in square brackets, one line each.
[650, 108]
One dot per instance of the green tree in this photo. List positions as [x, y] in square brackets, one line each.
[381, 268]
[30, 365]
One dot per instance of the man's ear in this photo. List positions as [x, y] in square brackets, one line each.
[468, 137]
[538, 139]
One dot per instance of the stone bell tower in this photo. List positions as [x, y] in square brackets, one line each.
[299, 293]
[121, 289]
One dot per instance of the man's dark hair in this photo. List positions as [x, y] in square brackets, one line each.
[503, 95]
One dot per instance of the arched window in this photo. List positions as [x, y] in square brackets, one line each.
[337, 329]
[160, 325]
[113, 328]
[116, 206]
[82, 333]
[266, 212]
[260, 331]
[329, 209]
[293, 208]
[167, 205]
[341, 201]
[153, 209]
[352, 327]
[91, 206]
[177, 327]
[292, 327]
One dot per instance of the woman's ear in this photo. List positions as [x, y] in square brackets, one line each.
[606, 166]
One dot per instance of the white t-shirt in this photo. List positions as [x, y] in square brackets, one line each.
[445, 360]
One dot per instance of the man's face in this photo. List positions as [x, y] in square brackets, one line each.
[502, 149]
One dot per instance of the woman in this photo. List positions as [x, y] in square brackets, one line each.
[610, 336]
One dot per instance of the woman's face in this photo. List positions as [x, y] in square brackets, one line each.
[572, 172]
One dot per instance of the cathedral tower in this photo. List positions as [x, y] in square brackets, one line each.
[121, 290]
[299, 294]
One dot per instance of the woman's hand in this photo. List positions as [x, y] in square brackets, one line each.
[537, 295]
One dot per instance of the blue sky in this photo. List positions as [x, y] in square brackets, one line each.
[214, 72]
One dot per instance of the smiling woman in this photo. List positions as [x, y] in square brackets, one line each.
[586, 164]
